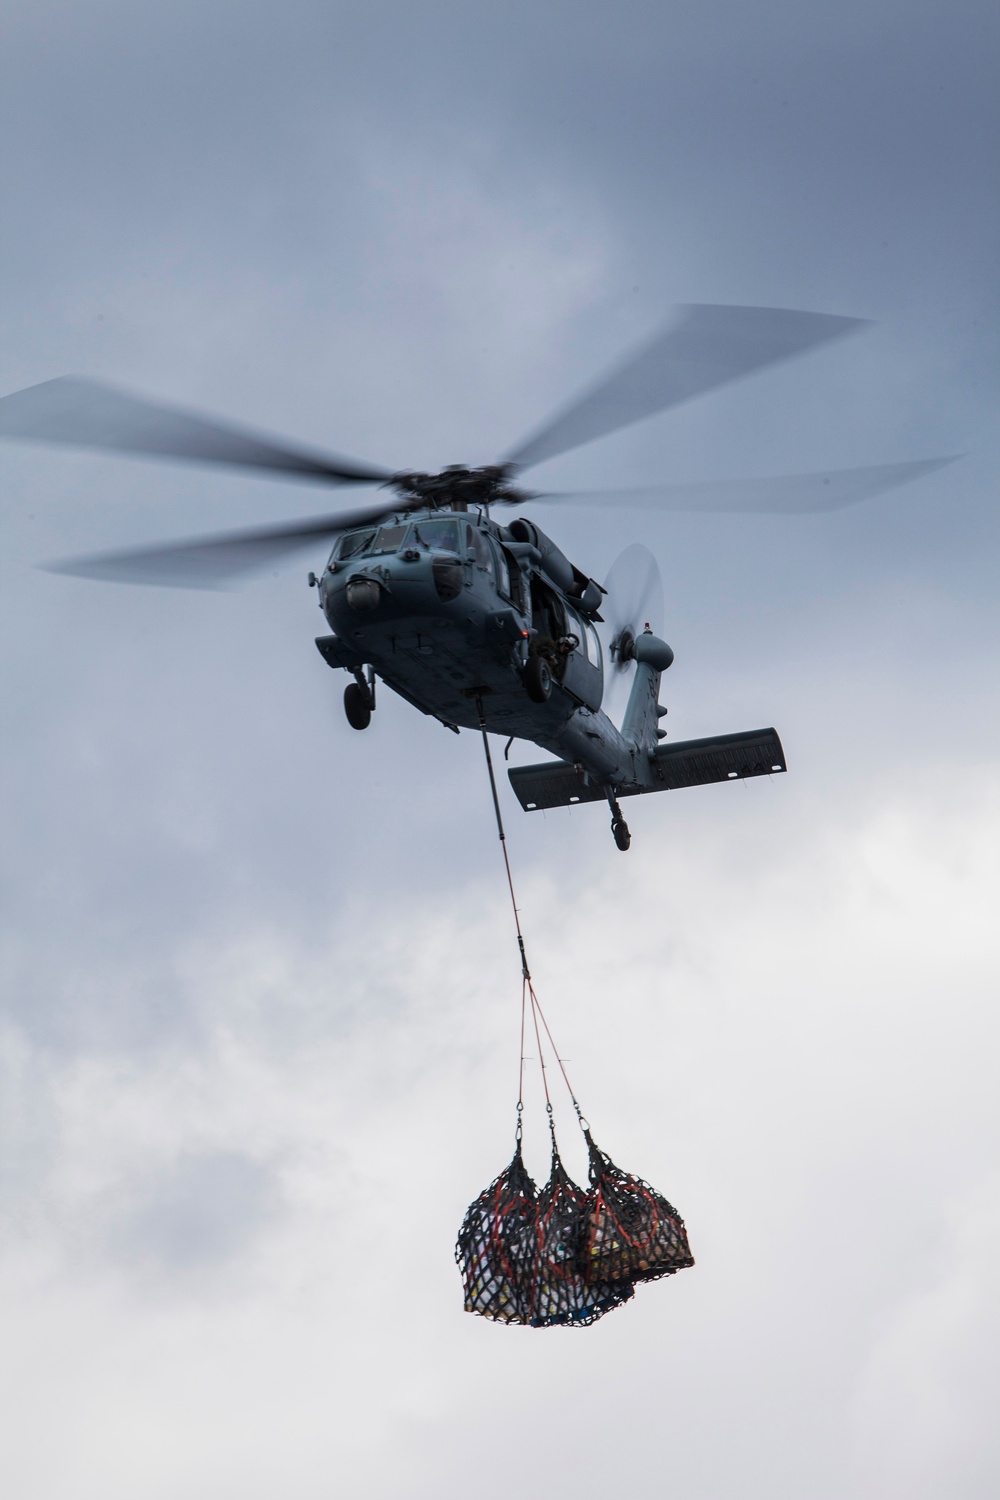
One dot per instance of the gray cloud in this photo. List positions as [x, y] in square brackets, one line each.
[259, 989]
[195, 1215]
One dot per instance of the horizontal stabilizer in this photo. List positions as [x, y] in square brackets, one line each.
[723, 757]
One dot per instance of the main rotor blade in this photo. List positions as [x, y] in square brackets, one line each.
[89, 414]
[214, 562]
[708, 347]
[783, 494]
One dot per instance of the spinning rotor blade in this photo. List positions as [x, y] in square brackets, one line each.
[708, 347]
[215, 562]
[88, 414]
[784, 494]
[634, 599]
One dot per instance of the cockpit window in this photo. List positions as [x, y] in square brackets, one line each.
[475, 544]
[508, 576]
[353, 543]
[389, 539]
[503, 573]
[434, 536]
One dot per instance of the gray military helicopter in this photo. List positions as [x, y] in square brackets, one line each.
[477, 623]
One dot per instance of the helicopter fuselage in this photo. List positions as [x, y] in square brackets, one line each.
[448, 608]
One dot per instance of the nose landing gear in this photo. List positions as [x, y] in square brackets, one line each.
[359, 699]
[619, 827]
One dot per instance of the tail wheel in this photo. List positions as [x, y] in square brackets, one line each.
[356, 707]
[622, 837]
[537, 679]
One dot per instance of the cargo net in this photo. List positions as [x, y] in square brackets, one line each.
[565, 1255]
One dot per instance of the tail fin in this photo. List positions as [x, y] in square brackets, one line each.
[652, 658]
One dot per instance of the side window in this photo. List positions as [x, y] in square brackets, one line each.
[476, 543]
[505, 573]
[593, 644]
[574, 626]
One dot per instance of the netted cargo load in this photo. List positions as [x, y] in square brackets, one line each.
[562, 1293]
[566, 1255]
[497, 1248]
[522, 1252]
[633, 1233]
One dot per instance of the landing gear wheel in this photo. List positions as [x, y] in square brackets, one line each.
[356, 707]
[622, 837]
[537, 679]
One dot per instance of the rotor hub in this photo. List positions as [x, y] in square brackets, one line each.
[458, 488]
[622, 649]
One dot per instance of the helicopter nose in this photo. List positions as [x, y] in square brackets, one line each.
[363, 593]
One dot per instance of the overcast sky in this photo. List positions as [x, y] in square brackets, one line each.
[259, 1038]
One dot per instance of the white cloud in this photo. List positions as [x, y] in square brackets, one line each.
[800, 1060]
[927, 1396]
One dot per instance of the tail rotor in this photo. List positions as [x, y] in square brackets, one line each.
[634, 603]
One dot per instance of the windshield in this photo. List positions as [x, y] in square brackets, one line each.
[369, 542]
[389, 539]
[353, 543]
[434, 536]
